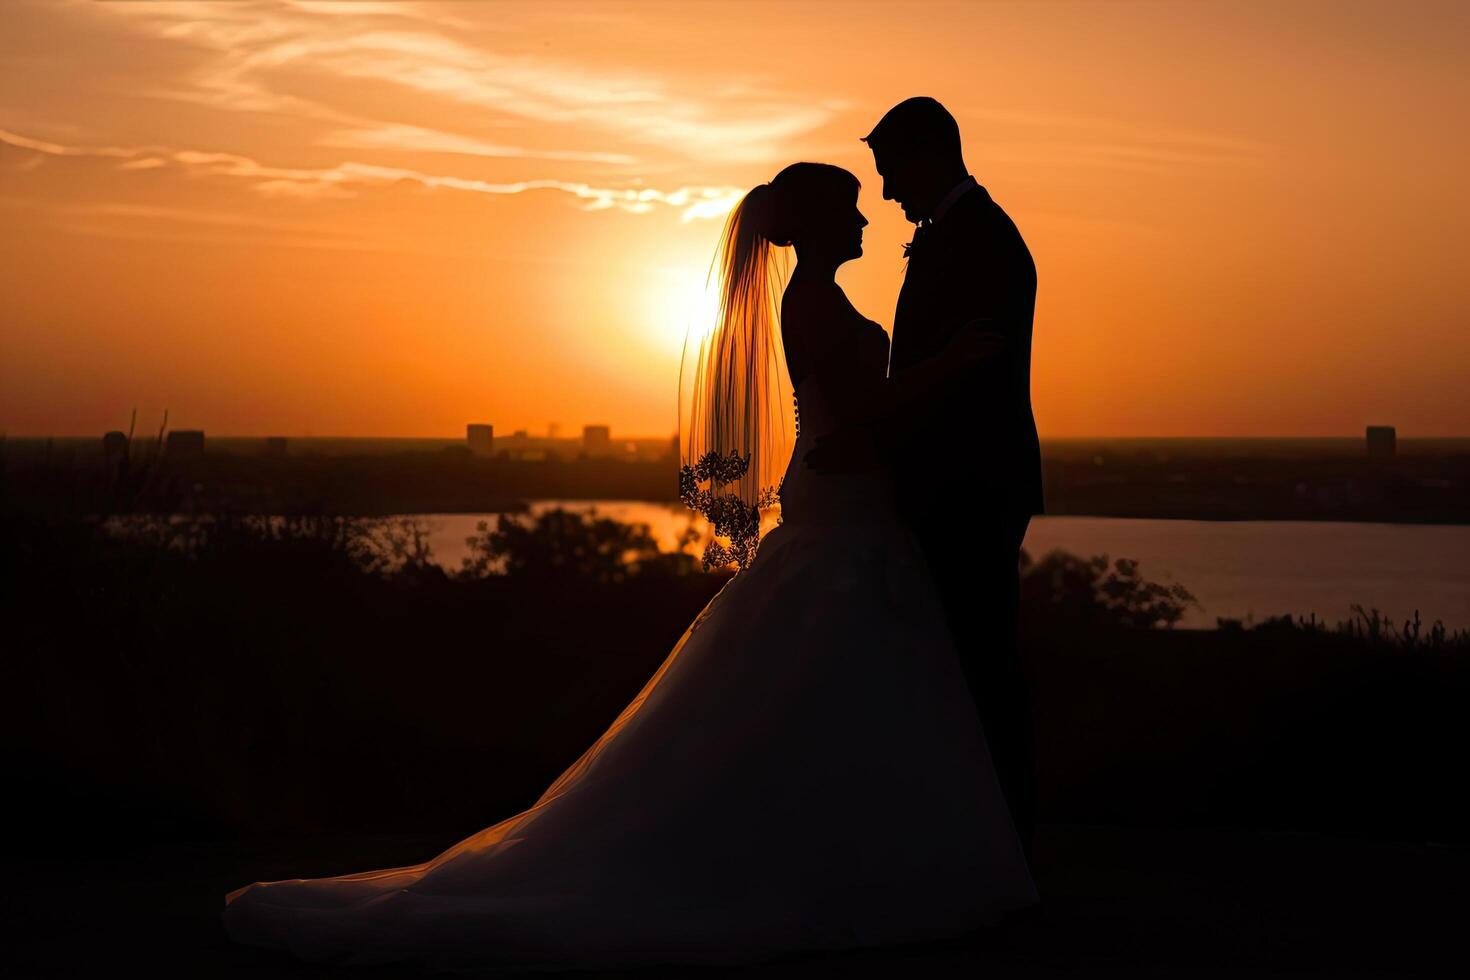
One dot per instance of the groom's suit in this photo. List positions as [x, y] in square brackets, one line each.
[966, 460]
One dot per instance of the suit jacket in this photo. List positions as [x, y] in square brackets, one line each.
[973, 439]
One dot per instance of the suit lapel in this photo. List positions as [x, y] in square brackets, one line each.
[914, 316]
[931, 282]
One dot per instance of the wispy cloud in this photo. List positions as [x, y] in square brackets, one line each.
[382, 8]
[151, 223]
[151, 232]
[344, 179]
[401, 136]
[259, 52]
[199, 216]
[57, 149]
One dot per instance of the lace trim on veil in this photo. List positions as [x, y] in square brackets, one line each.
[728, 514]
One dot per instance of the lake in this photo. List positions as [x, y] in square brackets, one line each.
[1245, 570]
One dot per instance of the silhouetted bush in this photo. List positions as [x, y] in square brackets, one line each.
[561, 546]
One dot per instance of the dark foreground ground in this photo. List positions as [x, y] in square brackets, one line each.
[1117, 903]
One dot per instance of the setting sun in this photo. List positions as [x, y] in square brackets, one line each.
[686, 306]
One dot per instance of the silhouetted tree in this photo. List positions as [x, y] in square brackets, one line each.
[1063, 588]
[561, 544]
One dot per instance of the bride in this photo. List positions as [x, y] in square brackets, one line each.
[805, 770]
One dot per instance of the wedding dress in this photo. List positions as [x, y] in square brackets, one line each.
[805, 771]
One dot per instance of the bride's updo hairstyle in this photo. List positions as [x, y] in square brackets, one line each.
[736, 422]
[799, 202]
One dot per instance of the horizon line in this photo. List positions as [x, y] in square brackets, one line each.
[646, 438]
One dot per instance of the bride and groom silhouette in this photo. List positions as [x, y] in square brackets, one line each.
[837, 752]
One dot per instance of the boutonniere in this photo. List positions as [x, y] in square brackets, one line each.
[920, 230]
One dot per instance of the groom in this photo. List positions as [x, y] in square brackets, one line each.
[965, 459]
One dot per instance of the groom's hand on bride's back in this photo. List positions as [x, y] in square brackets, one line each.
[846, 450]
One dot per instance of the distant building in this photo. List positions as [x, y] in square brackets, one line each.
[1382, 441]
[515, 445]
[185, 442]
[596, 440]
[275, 445]
[481, 438]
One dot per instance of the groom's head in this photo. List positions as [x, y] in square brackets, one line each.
[916, 150]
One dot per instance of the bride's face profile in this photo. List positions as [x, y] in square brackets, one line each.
[837, 234]
[853, 224]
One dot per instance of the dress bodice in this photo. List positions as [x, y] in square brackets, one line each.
[872, 360]
[809, 497]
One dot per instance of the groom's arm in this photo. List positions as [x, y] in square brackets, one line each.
[919, 389]
[916, 395]
[908, 402]
[932, 386]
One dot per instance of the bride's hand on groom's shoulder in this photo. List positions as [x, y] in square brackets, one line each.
[846, 450]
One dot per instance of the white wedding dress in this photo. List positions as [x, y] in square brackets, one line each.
[805, 771]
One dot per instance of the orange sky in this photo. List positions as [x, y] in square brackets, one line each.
[391, 218]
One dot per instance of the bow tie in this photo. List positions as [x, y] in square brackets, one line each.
[920, 230]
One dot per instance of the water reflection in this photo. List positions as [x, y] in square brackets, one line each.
[1245, 570]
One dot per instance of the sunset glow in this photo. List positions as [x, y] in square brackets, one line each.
[392, 218]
